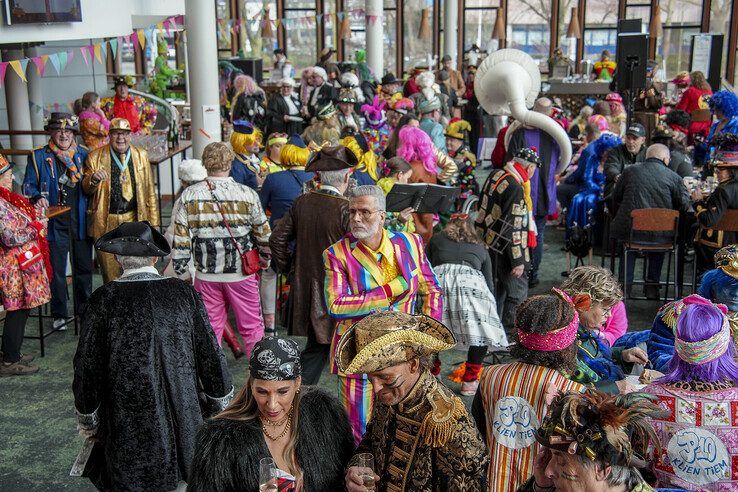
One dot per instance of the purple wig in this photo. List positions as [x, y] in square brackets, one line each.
[696, 323]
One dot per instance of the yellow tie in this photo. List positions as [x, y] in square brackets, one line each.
[125, 180]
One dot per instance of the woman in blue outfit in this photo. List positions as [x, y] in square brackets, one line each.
[591, 181]
[724, 105]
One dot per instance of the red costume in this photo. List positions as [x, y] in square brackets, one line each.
[692, 100]
[125, 108]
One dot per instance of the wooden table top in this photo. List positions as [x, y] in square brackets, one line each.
[183, 145]
[56, 211]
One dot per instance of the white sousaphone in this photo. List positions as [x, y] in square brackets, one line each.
[508, 83]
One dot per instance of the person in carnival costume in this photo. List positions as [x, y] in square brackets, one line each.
[595, 442]
[367, 171]
[58, 166]
[346, 115]
[719, 286]
[140, 114]
[545, 352]
[246, 144]
[397, 170]
[377, 130]
[421, 435]
[702, 376]
[272, 159]
[466, 161]
[325, 127]
[429, 166]
[25, 270]
[373, 269]
[595, 292]
[302, 428]
[505, 223]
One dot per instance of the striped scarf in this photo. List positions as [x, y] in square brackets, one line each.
[66, 157]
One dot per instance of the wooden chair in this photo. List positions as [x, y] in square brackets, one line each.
[662, 220]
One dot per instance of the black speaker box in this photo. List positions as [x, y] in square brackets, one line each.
[632, 60]
[250, 66]
[629, 25]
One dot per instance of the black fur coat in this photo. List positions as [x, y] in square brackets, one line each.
[227, 452]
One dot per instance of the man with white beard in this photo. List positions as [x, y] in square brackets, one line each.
[373, 269]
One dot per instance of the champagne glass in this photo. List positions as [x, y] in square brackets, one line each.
[267, 475]
[365, 461]
[27, 190]
[44, 190]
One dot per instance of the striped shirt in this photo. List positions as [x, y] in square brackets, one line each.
[514, 398]
[200, 232]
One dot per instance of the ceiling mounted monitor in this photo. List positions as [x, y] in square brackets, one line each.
[42, 11]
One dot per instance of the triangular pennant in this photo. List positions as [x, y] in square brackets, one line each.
[114, 46]
[19, 66]
[141, 38]
[85, 54]
[339, 16]
[3, 68]
[160, 27]
[68, 59]
[150, 35]
[40, 64]
[166, 26]
[134, 40]
[54, 59]
[277, 22]
[127, 38]
[98, 52]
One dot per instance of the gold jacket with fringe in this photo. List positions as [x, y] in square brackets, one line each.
[147, 207]
[428, 442]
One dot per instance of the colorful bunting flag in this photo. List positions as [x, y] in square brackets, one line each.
[85, 54]
[19, 66]
[114, 46]
[54, 59]
[98, 52]
[40, 62]
[3, 68]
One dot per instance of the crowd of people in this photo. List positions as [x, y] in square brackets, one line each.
[287, 226]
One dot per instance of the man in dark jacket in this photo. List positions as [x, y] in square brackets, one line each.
[321, 94]
[147, 359]
[316, 220]
[504, 224]
[632, 150]
[650, 184]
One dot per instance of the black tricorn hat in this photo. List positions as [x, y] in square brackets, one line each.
[332, 159]
[134, 239]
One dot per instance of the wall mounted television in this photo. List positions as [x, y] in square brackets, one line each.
[42, 11]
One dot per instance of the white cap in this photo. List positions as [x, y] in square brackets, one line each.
[192, 171]
[287, 81]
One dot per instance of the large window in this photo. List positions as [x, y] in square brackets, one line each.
[390, 38]
[600, 28]
[301, 33]
[720, 23]
[223, 15]
[479, 21]
[416, 50]
[680, 20]
[528, 29]
[252, 43]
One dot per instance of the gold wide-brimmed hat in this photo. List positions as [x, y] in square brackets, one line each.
[388, 338]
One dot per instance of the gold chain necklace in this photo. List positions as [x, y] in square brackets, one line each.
[277, 438]
[271, 423]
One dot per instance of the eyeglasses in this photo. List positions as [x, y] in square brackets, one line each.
[363, 213]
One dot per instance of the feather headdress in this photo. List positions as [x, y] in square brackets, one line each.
[612, 429]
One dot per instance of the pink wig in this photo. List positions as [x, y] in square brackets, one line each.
[416, 145]
[245, 84]
[600, 121]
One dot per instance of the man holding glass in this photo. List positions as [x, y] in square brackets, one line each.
[54, 179]
[420, 437]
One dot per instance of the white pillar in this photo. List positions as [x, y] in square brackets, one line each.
[19, 116]
[36, 97]
[202, 71]
[450, 28]
[375, 36]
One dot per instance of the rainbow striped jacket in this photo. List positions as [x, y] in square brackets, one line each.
[354, 279]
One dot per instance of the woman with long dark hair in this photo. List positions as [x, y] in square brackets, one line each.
[303, 429]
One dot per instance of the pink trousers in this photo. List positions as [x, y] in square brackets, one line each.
[243, 298]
